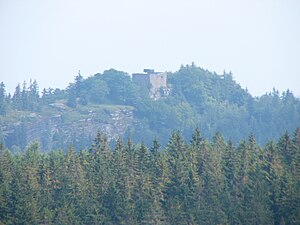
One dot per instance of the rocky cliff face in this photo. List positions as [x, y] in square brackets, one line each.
[61, 126]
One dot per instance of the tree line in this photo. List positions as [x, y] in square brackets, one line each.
[194, 181]
[198, 98]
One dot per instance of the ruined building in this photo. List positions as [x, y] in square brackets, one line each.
[155, 82]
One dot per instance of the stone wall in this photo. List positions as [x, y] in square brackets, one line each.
[155, 82]
[158, 80]
[141, 79]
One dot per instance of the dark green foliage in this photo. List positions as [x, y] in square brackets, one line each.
[98, 91]
[3, 103]
[6, 186]
[17, 98]
[121, 89]
[72, 96]
[198, 98]
[200, 182]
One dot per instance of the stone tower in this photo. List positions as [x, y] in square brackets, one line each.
[155, 82]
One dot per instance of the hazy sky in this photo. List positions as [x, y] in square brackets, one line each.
[50, 40]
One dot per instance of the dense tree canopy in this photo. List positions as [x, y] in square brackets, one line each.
[187, 182]
[198, 98]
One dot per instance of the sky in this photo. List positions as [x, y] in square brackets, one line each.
[50, 40]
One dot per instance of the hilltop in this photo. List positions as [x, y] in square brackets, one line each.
[112, 103]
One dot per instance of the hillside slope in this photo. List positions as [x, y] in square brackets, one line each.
[112, 103]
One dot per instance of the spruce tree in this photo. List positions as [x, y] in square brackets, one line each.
[6, 186]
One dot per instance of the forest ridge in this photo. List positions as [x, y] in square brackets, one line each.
[197, 98]
[235, 158]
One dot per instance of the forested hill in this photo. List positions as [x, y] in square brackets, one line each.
[114, 104]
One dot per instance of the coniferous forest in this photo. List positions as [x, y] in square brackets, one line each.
[106, 120]
[190, 181]
[206, 153]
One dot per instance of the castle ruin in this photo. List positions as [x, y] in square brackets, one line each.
[155, 82]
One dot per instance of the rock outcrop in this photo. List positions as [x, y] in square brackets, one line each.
[62, 126]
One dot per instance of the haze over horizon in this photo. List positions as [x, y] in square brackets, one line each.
[51, 40]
